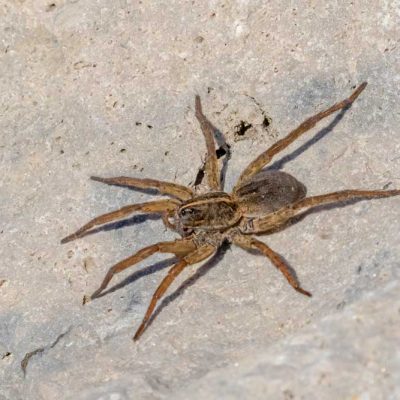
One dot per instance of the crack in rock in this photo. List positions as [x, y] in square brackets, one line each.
[25, 361]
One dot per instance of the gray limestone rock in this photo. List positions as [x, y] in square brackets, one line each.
[107, 88]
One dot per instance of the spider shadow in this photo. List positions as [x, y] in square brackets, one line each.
[203, 270]
[327, 207]
[136, 219]
[151, 269]
[323, 207]
[292, 271]
[279, 164]
[299, 218]
[148, 191]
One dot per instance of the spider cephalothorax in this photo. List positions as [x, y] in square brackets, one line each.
[261, 201]
[212, 211]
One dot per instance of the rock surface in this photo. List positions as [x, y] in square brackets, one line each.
[107, 88]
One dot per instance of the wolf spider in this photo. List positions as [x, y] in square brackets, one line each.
[261, 202]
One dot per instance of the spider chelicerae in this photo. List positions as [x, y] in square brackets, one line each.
[261, 202]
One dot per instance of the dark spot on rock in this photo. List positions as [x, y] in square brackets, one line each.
[150, 126]
[266, 122]
[386, 185]
[288, 394]
[5, 355]
[122, 151]
[51, 7]
[220, 152]
[137, 123]
[241, 128]
[340, 305]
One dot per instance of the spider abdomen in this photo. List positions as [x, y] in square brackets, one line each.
[268, 191]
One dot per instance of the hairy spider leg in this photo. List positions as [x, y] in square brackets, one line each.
[251, 243]
[179, 247]
[280, 217]
[168, 188]
[157, 207]
[265, 157]
[211, 164]
[196, 256]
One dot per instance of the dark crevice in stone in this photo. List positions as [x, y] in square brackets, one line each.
[242, 128]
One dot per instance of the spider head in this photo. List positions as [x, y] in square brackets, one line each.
[210, 211]
[191, 216]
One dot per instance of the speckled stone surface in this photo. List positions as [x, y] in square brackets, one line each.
[107, 88]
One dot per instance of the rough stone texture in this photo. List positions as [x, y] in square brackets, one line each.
[106, 88]
[321, 362]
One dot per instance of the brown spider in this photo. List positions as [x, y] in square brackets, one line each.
[261, 202]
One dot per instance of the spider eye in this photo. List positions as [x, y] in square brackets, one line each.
[187, 211]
